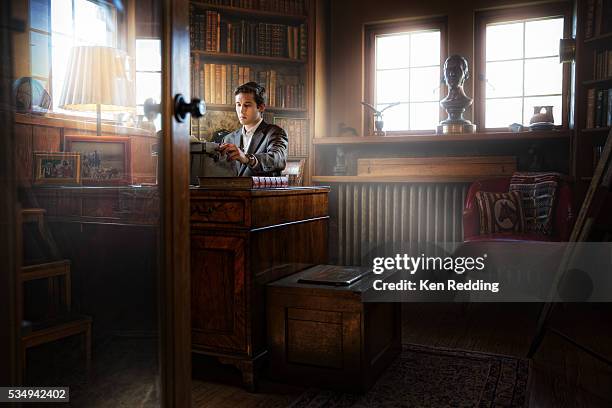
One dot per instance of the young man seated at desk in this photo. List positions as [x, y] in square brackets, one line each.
[257, 148]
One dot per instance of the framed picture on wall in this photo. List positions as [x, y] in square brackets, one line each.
[57, 168]
[105, 160]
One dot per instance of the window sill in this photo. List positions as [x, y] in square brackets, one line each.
[77, 123]
[434, 138]
[395, 179]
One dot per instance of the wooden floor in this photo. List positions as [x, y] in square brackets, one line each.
[561, 375]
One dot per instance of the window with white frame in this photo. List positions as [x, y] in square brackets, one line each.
[522, 70]
[407, 70]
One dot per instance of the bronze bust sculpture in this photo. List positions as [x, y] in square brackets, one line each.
[455, 73]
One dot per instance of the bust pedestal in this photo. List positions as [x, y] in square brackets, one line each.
[455, 104]
[456, 128]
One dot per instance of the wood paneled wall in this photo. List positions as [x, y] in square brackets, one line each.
[346, 63]
[42, 134]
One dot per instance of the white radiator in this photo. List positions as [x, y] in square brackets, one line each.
[371, 218]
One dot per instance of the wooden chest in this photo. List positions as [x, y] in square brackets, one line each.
[326, 336]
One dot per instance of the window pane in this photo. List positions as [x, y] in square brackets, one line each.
[542, 37]
[62, 45]
[425, 84]
[504, 41]
[148, 85]
[543, 76]
[39, 15]
[555, 101]
[148, 55]
[90, 23]
[392, 51]
[39, 48]
[502, 112]
[395, 118]
[425, 48]
[61, 16]
[424, 116]
[504, 79]
[392, 86]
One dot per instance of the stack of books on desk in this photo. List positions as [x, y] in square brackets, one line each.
[244, 182]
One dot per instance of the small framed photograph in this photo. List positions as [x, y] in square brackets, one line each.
[57, 168]
[294, 170]
[105, 160]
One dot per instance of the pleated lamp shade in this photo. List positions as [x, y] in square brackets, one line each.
[97, 80]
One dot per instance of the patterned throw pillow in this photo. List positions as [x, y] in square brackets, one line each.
[538, 191]
[500, 212]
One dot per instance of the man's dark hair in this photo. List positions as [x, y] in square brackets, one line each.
[258, 91]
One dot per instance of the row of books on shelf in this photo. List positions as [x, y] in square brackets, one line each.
[603, 65]
[283, 90]
[297, 132]
[217, 82]
[599, 108]
[211, 32]
[294, 7]
[598, 18]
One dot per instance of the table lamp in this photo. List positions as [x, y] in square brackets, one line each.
[97, 80]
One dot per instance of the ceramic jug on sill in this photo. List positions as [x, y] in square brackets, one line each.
[542, 114]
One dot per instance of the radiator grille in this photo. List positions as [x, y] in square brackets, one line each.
[371, 218]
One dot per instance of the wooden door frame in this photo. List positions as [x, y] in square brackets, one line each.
[175, 295]
[175, 284]
[9, 256]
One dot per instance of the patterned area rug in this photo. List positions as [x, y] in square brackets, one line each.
[437, 377]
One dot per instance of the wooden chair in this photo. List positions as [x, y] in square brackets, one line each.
[59, 321]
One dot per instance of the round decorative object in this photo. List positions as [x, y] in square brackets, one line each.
[30, 96]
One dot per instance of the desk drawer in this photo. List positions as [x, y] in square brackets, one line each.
[218, 211]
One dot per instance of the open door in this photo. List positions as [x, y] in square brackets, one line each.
[95, 181]
[176, 296]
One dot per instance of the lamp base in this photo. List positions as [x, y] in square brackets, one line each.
[456, 128]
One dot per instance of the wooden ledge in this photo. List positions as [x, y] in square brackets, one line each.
[74, 125]
[397, 179]
[433, 138]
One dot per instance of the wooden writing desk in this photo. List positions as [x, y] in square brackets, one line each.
[240, 241]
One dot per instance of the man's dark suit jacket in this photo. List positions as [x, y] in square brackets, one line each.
[268, 144]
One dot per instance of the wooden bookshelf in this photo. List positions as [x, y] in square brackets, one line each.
[247, 58]
[606, 82]
[252, 13]
[594, 76]
[596, 130]
[271, 47]
[597, 39]
[227, 107]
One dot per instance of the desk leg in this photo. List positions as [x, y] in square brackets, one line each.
[250, 369]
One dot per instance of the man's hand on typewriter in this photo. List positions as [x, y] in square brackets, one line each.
[233, 152]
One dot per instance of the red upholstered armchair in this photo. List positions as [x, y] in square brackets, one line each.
[563, 220]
